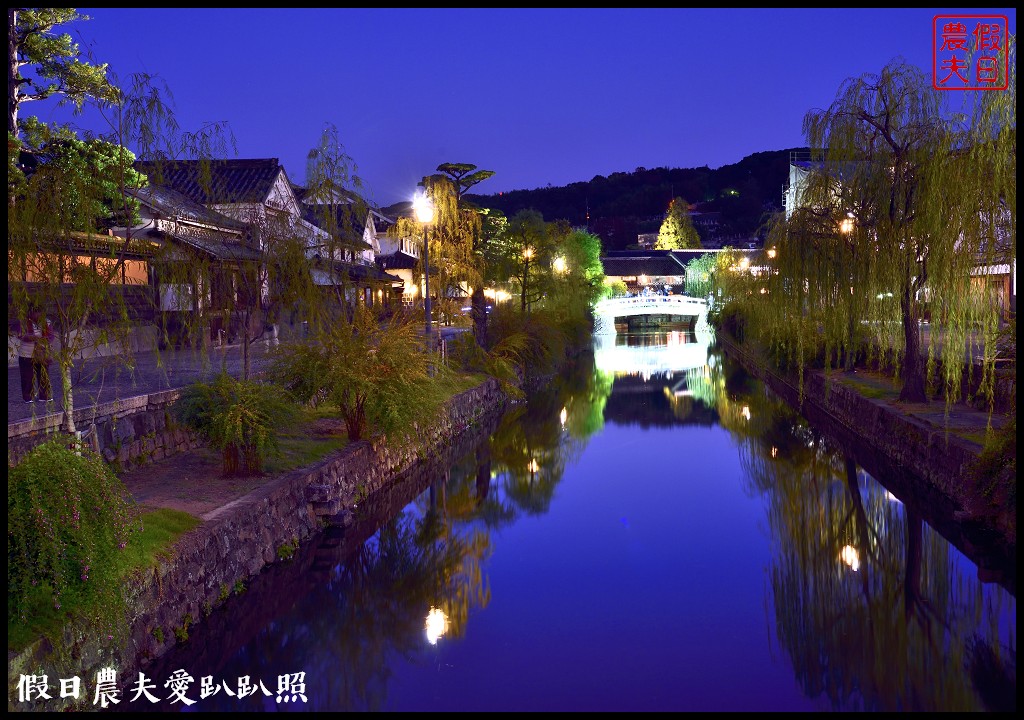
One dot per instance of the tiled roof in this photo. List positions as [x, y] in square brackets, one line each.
[656, 264]
[397, 260]
[229, 181]
[181, 207]
[354, 271]
[347, 220]
[215, 248]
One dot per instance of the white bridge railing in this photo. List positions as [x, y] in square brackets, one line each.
[608, 309]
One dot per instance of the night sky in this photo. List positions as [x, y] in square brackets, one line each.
[540, 96]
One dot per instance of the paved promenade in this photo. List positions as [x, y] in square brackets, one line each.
[105, 379]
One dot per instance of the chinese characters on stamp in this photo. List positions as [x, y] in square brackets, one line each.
[969, 52]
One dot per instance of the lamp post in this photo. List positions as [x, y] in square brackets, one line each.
[425, 214]
[527, 256]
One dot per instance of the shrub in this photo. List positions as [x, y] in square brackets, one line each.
[537, 341]
[238, 417]
[69, 517]
[733, 320]
[465, 354]
[376, 373]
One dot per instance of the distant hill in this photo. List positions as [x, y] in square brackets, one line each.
[623, 205]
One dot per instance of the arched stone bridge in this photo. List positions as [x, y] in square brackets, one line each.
[608, 309]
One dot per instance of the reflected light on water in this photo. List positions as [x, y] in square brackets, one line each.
[437, 624]
[850, 557]
[651, 354]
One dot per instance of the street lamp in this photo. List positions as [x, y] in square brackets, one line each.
[425, 214]
[527, 256]
[846, 224]
[437, 624]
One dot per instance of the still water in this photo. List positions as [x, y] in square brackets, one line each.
[655, 531]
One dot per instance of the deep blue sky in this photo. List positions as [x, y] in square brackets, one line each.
[540, 96]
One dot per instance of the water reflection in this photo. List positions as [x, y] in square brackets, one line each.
[875, 609]
[872, 608]
[658, 379]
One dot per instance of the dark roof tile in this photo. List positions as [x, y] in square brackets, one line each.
[216, 181]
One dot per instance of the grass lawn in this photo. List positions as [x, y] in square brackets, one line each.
[316, 433]
[161, 529]
[872, 385]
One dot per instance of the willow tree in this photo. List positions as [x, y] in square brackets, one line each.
[61, 260]
[677, 231]
[699, 272]
[576, 279]
[464, 176]
[452, 236]
[333, 194]
[892, 221]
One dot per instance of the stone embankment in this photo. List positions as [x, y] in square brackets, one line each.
[919, 459]
[240, 539]
[128, 432]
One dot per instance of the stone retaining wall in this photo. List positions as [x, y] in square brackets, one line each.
[238, 540]
[937, 457]
[127, 432]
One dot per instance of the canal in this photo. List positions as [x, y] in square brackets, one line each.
[654, 531]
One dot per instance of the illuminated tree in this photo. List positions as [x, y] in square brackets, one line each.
[55, 59]
[464, 176]
[452, 238]
[677, 231]
[881, 236]
[699, 275]
[576, 278]
[524, 254]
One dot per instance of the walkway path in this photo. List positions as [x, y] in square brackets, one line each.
[106, 379]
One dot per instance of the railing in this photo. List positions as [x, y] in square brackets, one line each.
[806, 156]
[657, 302]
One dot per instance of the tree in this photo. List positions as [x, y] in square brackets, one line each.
[333, 193]
[58, 260]
[677, 231]
[55, 58]
[455, 236]
[464, 176]
[577, 278]
[699, 275]
[881, 237]
[376, 373]
[523, 254]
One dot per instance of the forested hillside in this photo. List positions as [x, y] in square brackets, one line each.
[624, 204]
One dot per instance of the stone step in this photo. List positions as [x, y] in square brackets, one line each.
[323, 508]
